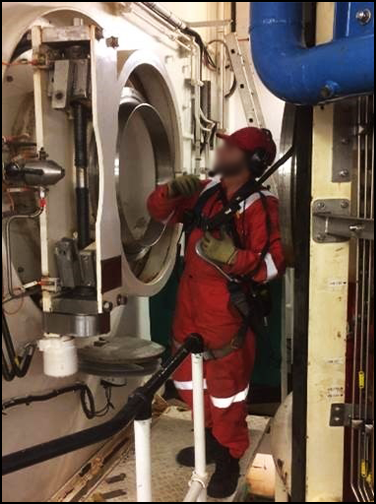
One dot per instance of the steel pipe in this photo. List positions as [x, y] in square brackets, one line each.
[301, 75]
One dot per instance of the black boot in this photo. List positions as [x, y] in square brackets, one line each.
[186, 456]
[224, 481]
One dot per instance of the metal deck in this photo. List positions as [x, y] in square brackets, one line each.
[171, 432]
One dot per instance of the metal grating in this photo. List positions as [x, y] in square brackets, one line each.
[362, 394]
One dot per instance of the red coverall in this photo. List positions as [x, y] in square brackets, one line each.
[203, 307]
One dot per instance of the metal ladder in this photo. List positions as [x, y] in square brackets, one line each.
[245, 76]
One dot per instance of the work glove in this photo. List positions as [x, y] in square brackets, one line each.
[220, 250]
[185, 185]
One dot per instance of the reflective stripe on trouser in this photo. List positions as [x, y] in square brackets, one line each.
[225, 390]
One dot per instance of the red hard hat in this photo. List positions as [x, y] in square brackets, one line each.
[250, 139]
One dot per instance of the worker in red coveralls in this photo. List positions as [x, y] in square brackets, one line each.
[251, 246]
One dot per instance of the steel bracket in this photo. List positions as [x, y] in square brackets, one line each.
[344, 136]
[340, 415]
[333, 223]
[343, 415]
[324, 210]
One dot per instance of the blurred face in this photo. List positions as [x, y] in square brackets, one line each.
[230, 161]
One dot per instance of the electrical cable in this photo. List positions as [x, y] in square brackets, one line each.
[28, 293]
[232, 89]
[33, 215]
[7, 372]
[86, 398]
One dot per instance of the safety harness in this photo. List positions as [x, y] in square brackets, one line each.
[251, 299]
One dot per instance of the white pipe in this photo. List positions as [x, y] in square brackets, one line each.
[194, 492]
[199, 474]
[142, 430]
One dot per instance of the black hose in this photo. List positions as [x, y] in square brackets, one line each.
[276, 165]
[183, 28]
[23, 46]
[81, 163]
[19, 365]
[135, 405]
[7, 372]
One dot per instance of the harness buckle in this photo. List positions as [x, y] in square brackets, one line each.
[235, 343]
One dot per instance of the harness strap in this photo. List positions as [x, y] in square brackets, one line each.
[218, 353]
[232, 206]
[225, 217]
[195, 217]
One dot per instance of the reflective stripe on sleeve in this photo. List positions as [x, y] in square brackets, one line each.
[271, 268]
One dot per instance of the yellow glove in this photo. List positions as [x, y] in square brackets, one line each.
[185, 185]
[220, 250]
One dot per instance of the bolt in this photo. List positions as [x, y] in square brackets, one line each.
[326, 92]
[344, 204]
[9, 78]
[42, 154]
[320, 205]
[364, 16]
[321, 237]
[329, 90]
[344, 173]
[121, 300]
[112, 42]
[59, 95]
[98, 33]
[41, 59]
[107, 306]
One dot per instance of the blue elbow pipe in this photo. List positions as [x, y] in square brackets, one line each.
[301, 75]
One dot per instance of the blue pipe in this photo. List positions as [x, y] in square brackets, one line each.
[307, 76]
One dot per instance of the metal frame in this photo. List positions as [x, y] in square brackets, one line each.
[361, 438]
[160, 93]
